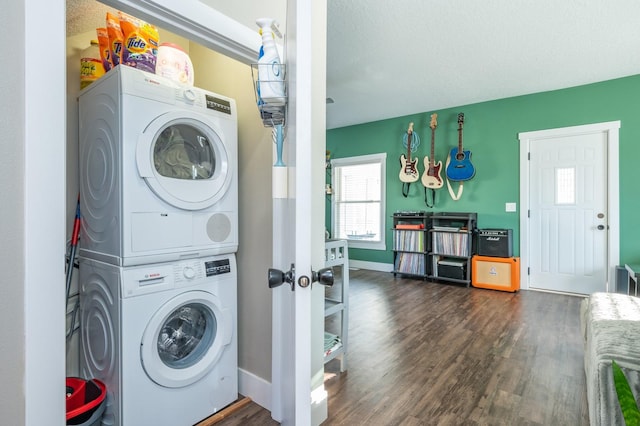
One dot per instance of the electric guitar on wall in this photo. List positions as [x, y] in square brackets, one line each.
[431, 178]
[459, 165]
[408, 170]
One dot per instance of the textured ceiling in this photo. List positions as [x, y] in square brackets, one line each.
[84, 16]
[387, 59]
[414, 56]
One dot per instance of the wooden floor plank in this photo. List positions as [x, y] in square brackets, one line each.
[226, 412]
[436, 354]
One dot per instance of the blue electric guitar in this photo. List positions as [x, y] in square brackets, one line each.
[459, 165]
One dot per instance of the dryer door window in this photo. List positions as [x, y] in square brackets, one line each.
[184, 160]
[185, 338]
[183, 151]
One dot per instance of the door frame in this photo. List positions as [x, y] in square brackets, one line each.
[611, 129]
[198, 22]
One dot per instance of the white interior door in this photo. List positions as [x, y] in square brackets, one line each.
[298, 391]
[568, 213]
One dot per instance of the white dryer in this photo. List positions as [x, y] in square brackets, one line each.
[162, 338]
[158, 170]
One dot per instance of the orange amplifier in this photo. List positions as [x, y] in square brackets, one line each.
[496, 273]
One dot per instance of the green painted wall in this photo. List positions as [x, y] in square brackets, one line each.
[491, 134]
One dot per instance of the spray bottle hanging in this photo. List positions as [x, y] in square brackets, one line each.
[270, 69]
[269, 76]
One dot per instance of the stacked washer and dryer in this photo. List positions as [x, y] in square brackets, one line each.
[158, 276]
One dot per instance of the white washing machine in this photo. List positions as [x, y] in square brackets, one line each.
[158, 170]
[162, 337]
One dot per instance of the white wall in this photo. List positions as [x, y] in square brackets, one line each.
[74, 47]
[12, 345]
[32, 117]
[231, 78]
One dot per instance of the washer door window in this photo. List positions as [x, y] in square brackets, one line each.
[185, 338]
[184, 160]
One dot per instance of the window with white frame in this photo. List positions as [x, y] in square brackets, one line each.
[358, 203]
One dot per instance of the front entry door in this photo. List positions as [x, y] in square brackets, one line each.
[568, 211]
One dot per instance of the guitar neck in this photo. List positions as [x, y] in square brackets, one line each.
[409, 135]
[433, 138]
[433, 125]
[460, 123]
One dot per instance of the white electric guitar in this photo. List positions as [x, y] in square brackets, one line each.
[432, 178]
[408, 170]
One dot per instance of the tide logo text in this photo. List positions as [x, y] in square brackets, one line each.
[136, 44]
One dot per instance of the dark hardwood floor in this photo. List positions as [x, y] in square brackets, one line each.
[438, 354]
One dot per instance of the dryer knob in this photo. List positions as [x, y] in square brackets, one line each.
[190, 95]
[189, 272]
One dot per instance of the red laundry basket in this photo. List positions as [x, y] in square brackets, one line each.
[85, 401]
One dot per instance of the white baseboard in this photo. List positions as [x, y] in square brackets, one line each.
[373, 266]
[256, 388]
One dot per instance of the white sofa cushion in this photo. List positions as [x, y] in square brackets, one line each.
[611, 328]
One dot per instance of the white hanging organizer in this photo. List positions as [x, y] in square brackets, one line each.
[272, 104]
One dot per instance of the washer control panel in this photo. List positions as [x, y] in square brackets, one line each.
[188, 271]
[217, 267]
[199, 269]
[147, 279]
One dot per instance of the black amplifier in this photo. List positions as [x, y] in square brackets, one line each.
[495, 242]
